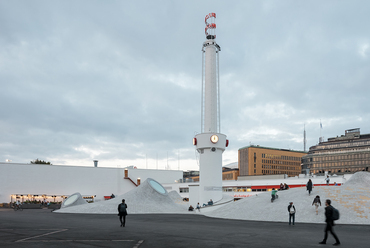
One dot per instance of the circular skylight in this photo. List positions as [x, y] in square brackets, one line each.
[70, 200]
[157, 186]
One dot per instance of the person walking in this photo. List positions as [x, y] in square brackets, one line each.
[17, 205]
[327, 179]
[291, 210]
[309, 186]
[198, 207]
[329, 223]
[316, 202]
[122, 212]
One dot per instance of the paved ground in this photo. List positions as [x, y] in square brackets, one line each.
[42, 228]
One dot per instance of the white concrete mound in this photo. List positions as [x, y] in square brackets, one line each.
[149, 197]
[352, 200]
[73, 200]
[176, 197]
[359, 180]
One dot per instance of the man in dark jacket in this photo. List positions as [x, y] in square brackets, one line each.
[309, 186]
[122, 212]
[291, 210]
[329, 223]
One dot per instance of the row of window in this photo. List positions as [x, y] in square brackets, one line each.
[266, 161]
[344, 144]
[277, 167]
[269, 172]
[343, 157]
[228, 176]
[346, 163]
[341, 170]
[228, 189]
[240, 189]
[280, 157]
[184, 190]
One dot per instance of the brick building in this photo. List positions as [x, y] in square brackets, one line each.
[258, 160]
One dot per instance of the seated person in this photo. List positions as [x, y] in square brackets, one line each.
[210, 203]
[281, 186]
[286, 186]
[191, 208]
[273, 193]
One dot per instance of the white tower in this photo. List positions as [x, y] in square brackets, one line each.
[210, 143]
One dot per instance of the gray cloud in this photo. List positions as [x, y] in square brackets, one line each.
[120, 81]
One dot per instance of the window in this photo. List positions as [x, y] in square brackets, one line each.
[184, 190]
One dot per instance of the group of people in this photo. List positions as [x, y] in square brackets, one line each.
[274, 191]
[191, 208]
[283, 186]
[329, 219]
[18, 203]
[317, 202]
[329, 210]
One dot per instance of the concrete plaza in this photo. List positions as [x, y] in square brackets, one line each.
[42, 228]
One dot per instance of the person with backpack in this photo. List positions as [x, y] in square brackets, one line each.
[309, 186]
[316, 202]
[331, 214]
[291, 210]
[122, 212]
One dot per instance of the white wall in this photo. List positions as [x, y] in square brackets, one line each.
[38, 179]
[162, 176]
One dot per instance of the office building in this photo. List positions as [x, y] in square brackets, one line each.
[258, 160]
[348, 153]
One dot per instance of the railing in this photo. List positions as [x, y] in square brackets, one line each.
[130, 180]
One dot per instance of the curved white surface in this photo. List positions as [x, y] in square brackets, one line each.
[352, 200]
[143, 199]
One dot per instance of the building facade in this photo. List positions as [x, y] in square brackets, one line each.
[227, 174]
[348, 153]
[230, 173]
[37, 181]
[258, 160]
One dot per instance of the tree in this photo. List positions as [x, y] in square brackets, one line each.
[37, 161]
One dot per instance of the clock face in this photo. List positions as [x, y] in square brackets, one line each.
[214, 138]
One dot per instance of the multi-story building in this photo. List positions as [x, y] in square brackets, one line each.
[258, 160]
[345, 154]
[228, 173]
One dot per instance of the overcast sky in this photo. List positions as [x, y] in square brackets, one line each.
[120, 81]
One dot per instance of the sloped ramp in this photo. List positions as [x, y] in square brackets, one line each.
[352, 200]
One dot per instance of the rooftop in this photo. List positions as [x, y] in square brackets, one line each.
[271, 148]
